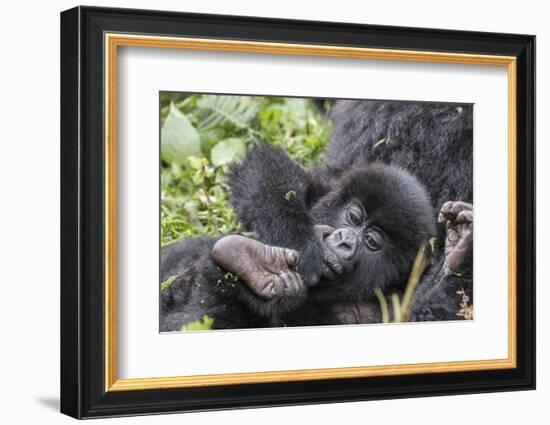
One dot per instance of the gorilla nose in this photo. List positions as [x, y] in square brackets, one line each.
[343, 242]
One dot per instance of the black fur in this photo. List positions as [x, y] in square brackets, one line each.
[376, 149]
[434, 142]
[398, 204]
[202, 288]
[199, 289]
[273, 196]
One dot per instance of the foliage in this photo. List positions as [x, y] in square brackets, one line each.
[167, 282]
[401, 308]
[199, 325]
[466, 310]
[202, 134]
[179, 139]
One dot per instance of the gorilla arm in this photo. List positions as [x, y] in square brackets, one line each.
[262, 284]
[445, 290]
[272, 196]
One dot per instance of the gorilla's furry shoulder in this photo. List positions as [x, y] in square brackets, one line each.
[431, 140]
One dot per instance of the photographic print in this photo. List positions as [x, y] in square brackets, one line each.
[319, 197]
[280, 212]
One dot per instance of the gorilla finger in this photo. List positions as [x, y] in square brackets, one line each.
[459, 206]
[453, 236]
[323, 230]
[269, 290]
[327, 273]
[334, 263]
[283, 278]
[326, 230]
[278, 286]
[465, 216]
[297, 283]
[445, 212]
[290, 282]
[292, 257]
[446, 207]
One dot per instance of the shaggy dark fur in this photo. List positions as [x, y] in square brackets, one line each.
[432, 141]
[273, 196]
[281, 203]
[201, 287]
[394, 200]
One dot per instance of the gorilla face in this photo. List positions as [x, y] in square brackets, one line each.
[379, 215]
[356, 235]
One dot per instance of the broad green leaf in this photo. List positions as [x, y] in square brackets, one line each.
[227, 151]
[179, 139]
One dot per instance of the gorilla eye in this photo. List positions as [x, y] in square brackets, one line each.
[373, 240]
[355, 217]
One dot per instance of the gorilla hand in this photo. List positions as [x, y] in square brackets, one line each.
[267, 270]
[459, 219]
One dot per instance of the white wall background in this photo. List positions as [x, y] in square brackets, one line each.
[29, 212]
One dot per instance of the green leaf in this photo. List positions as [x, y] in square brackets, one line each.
[383, 305]
[381, 141]
[179, 139]
[199, 325]
[167, 283]
[291, 194]
[198, 178]
[197, 163]
[220, 110]
[432, 242]
[297, 108]
[227, 151]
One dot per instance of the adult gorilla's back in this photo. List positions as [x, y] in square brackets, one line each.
[431, 140]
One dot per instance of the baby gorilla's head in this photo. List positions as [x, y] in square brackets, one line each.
[381, 215]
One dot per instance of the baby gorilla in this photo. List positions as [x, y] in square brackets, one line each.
[322, 245]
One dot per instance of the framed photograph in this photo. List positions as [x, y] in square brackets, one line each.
[261, 212]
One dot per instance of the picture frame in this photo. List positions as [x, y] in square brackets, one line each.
[90, 40]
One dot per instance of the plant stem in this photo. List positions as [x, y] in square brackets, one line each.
[383, 305]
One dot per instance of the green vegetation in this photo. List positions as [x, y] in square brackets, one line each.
[202, 134]
[199, 325]
[167, 282]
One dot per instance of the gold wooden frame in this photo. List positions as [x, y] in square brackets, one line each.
[113, 41]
